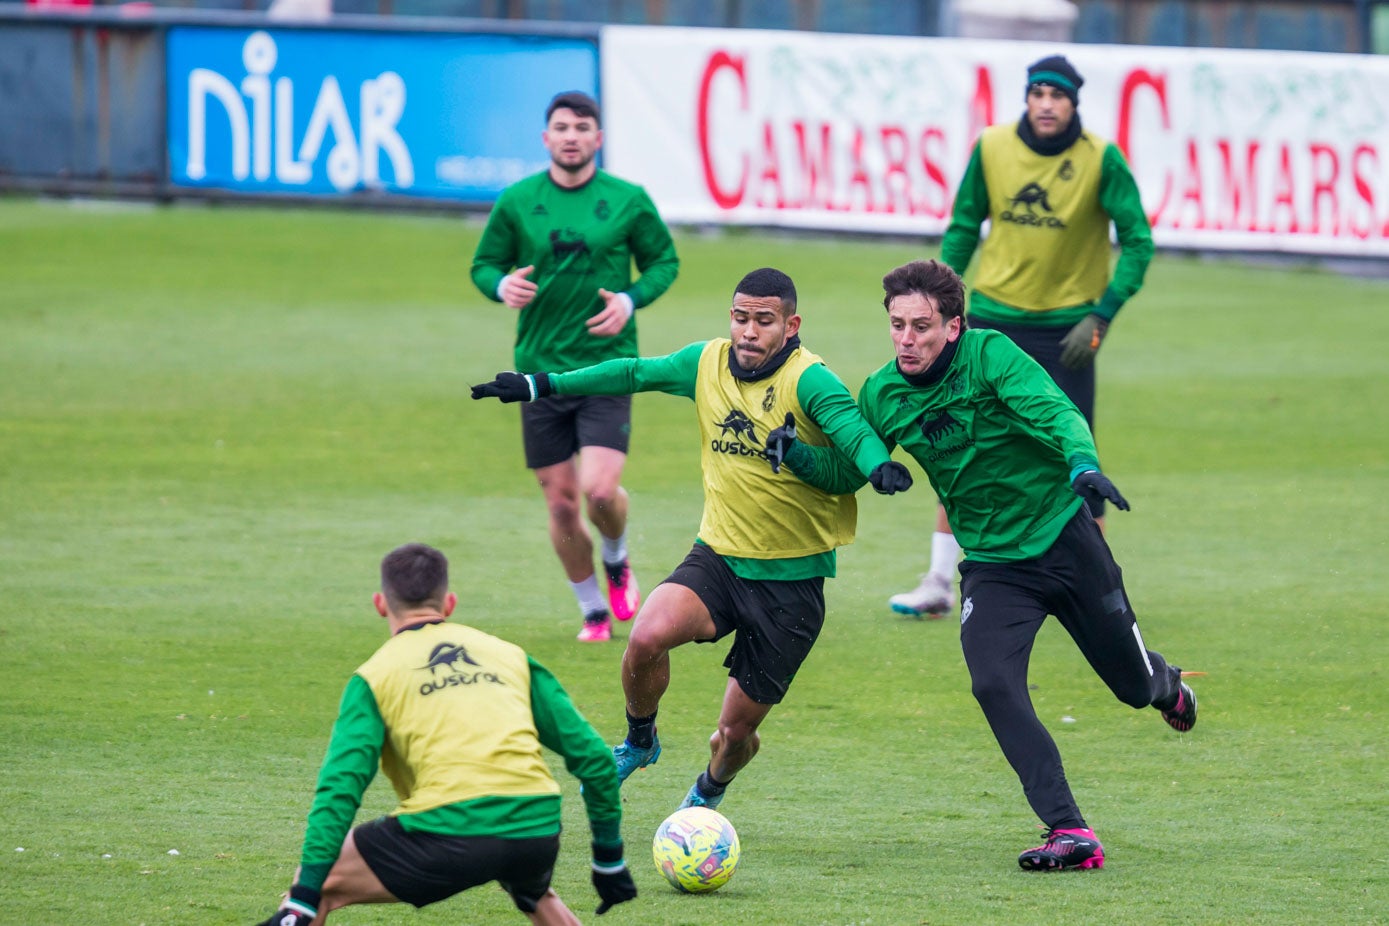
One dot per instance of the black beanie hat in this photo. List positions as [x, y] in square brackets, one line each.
[1056, 71]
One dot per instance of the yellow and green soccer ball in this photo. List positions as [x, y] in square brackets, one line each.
[696, 849]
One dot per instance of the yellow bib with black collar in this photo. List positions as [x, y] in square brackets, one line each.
[749, 511]
[457, 707]
[1048, 244]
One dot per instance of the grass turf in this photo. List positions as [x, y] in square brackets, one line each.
[214, 421]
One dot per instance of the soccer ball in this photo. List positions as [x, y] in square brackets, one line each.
[696, 849]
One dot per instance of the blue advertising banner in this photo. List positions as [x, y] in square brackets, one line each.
[457, 116]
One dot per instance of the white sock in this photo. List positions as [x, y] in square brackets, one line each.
[945, 553]
[590, 598]
[614, 551]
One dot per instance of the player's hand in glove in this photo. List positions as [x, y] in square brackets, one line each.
[515, 387]
[890, 478]
[779, 442]
[611, 879]
[1093, 484]
[299, 908]
[1082, 342]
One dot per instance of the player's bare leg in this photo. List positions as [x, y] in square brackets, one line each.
[350, 881]
[551, 911]
[600, 477]
[568, 532]
[731, 747]
[672, 616]
[606, 503]
[573, 545]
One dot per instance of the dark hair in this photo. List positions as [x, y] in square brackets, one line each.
[768, 281]
[581, 103]
[414, 575]
[929, 278]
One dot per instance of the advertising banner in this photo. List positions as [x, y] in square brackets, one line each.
[325, 112]
[1240, 150]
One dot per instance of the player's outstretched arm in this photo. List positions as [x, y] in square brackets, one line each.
[515, 387]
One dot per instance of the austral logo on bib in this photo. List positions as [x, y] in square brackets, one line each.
[737, 436]
[1030, 198]
[449, 655]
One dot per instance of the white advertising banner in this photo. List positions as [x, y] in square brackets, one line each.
[1238, 150]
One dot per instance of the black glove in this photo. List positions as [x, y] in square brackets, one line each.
[1093, 484]
[298, 910]
[1082, 342]
[890, 478]
[515, 387]
[779, 442]
[611, 879]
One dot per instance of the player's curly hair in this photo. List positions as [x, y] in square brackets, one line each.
[928, 278]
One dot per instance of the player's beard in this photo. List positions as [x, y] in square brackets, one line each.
[576, 168]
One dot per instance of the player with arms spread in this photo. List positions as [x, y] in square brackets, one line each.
[559, 248]
[1012, 460]
[766, 541]
[456, 719]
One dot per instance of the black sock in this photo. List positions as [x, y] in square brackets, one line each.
[641, 731]
[709, 785]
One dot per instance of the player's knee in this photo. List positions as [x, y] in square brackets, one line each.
[600, 497]
[992, 690]
[645, 644]
[738, 736]
[564, 510]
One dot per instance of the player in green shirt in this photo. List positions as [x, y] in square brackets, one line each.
[1050, 190]
[559, 248]
[456, 718]
[766, 541]
[1011, 459]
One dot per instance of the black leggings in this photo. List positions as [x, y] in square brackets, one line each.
[1003, 607]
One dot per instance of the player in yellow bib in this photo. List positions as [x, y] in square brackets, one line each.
[456, 718]
[766, 541]
[1050, 189]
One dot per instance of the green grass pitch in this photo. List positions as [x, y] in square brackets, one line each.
[214, 421]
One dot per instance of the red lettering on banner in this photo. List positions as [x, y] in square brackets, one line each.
[1136, 79]
[897, 185]
[1325, 186]
[934, 173]
[815, 167]
[719, 61]
[859, 176]
[1192, 191]
[771, 171]
[1285, 187]
[981, 107]
[1363, 190]
[1241, 191]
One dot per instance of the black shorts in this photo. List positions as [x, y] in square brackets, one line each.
[776, 622]
[423, 868]
[555, 427]
[1043, 344]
